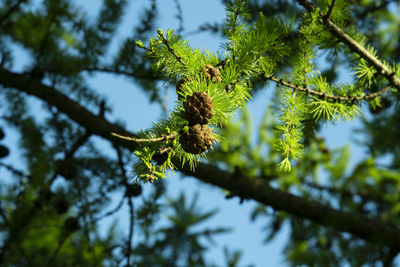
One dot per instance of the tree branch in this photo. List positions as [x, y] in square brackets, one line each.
[131, 209]
[131, 228]
[93, 124]
[165, 41]
[257, 189]
[237, 183]
[148, 140]
[329, 13]
[10, 11]
[355, 46]
[119, 72]
[325, 95]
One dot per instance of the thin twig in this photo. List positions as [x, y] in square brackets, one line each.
[131, 228]
[14, 170]
[121, 164]
[165, 41]
[149, 140]
[147, 49]
[329, 13]
[355, 46]
[237, 11]
[111, 212]
[213, 28]
[179, 15]
[70, 154]
[325, 95]
[291, 124]
[131, 209]
[10, 11]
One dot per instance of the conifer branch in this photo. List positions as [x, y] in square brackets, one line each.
[148, 140]
[249, 188]
[165, 42]
[139, 44]
[237, 183]
[235, 18]
[323, 95]
[290, 124]
[355, 46]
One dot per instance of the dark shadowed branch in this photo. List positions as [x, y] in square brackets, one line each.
[237, 183]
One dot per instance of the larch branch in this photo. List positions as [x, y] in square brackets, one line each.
[355, 46]
[325, 95]
[237, 183]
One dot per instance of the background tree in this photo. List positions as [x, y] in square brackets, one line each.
[51, 209]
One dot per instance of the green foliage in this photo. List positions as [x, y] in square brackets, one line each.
[178, 241]
[52, 207]
[322, 175]
[258, 49]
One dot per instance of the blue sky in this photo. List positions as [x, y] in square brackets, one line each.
[131, 105]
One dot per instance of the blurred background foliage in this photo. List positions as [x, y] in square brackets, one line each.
[51, 209]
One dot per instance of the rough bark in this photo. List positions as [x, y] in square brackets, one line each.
[237, 183]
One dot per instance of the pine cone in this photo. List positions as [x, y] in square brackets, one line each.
[133, 190]
[385, 103]
[71, 224]
[198, 139]
[161, 155]
[212, 73]
[179, 88]
[198, 108]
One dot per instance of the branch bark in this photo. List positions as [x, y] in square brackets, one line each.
[93, 124]
[355, 46]
[237, 183]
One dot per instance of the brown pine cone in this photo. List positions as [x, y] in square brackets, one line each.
[198, 108]
[161, 155]
[212, 73]
[198, 139]
[133, 190]
[385, 103]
